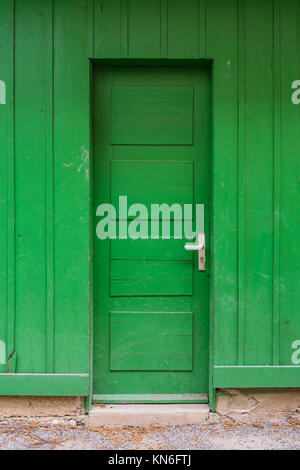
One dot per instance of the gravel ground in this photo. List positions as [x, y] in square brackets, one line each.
[226, 434]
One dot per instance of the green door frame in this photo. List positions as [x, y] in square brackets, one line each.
[184, 63]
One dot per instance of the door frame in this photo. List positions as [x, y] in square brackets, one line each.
[147, 63]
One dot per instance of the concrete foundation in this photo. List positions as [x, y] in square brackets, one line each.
[240, 404]
[29, 407]
[259, 404]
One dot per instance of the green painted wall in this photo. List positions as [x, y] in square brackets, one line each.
[44, 179]
[44, 135]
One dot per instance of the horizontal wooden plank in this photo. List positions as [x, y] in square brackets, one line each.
[151, 172]
[151, 341]
[256, 376]
[138, 277]
[161, 323]
[147, 270]
[151, 194]
[150, 249]
[152, 304]
[163, 153]
[152, 182]
[44, 384]
[152, 287]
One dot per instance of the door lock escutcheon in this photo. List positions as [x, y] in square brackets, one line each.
[200, 247]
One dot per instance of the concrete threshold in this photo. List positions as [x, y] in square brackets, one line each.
[146, 415]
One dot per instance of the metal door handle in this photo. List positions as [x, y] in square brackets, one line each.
[200, 247]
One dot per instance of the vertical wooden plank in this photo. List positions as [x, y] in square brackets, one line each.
[11, 185]
[183, 29]
[71, 187]
[202, 28]
[258, 182]
[124, 28]
[222, 39]
[276, 184]
[30, 184]
[7, 259]
[144, 28]
[91, 29]
[241, 183]
[108, 33]
[290, 194]
[3, 178]
[88, 402]
[164, 29]
[49, 186]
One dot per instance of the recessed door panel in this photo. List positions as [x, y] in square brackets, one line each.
[151, 115]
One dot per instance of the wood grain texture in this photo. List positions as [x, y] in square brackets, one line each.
[225, 232]
[7, 231]
[44, 306]
[276, 181]
[289, 279]
[258, 215]
[49, 187]
[151, 341]
[148, 274]
[30, 199]
[71, 185]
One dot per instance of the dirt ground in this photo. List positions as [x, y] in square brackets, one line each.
[225, 434]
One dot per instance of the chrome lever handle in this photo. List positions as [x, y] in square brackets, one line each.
[200, 247]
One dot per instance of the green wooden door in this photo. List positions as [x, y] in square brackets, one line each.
[151, 144]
